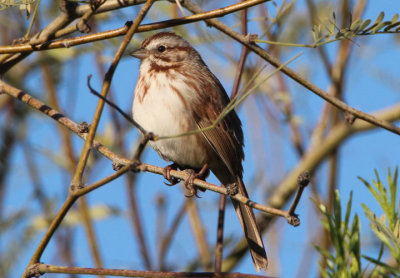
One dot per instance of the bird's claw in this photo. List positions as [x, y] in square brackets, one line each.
[191, 189]
[167, 175]
[189, 182]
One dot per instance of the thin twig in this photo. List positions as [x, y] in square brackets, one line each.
[243, 55]
[302, 181]
[113, 105]
[292, 74]
[32, 20]
[69, 153]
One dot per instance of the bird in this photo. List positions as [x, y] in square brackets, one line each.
[177, 93]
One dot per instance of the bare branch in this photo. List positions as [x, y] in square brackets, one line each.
[292, 74]
[40, 269]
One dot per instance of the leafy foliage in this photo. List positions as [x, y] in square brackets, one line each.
[345, 260]
[345, 239]
[328, 32]
[386, 227]
[359, 27]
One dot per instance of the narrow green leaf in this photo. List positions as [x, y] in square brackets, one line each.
[364, 25]
[384, 265]
[393, 188]
[380, 26]
[380, 17]
[326, 253]
[376, 23]
[348, 210]
[337, 209]
[355, 26]
[395, 18]
[314, 33]
[370, 188]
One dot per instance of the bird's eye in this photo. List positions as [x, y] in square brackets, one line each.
[161, 48]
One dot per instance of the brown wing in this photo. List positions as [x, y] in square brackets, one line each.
[227, 138]
[227, 142]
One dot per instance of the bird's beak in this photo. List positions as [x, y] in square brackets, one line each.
[140, 53]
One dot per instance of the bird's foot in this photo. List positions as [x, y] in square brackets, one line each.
[189, 182]
[167, 174]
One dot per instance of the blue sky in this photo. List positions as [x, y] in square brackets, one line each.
[372, 84]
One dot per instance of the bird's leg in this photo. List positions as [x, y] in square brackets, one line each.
[167, 174]
[202, 174]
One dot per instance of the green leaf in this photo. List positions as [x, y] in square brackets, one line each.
[370, 188]
[382, 231]
[314, 33]
[380, 263]
[380, 17]
[337, 209]
[376, 23]
[393, 189]
[324, 253]
[364, 25]
[395, 18]
[380, 26]
[348, 210]
[355, 26]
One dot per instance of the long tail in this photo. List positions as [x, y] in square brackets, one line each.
[252, 234]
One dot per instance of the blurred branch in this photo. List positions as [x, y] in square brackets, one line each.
[242, 59]
[77, 179]
[222, 198]
[69, 153]
[134, 211]
[199, 234]
[338, 74]
[122, 31]
[72, 11]
[220, 233]
[9, 138]
[166, 239]
[63, 240]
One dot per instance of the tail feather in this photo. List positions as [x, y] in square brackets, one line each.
[251, 231]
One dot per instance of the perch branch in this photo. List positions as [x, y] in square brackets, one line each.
[40, 269]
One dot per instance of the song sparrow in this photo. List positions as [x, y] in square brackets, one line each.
[176, 93]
